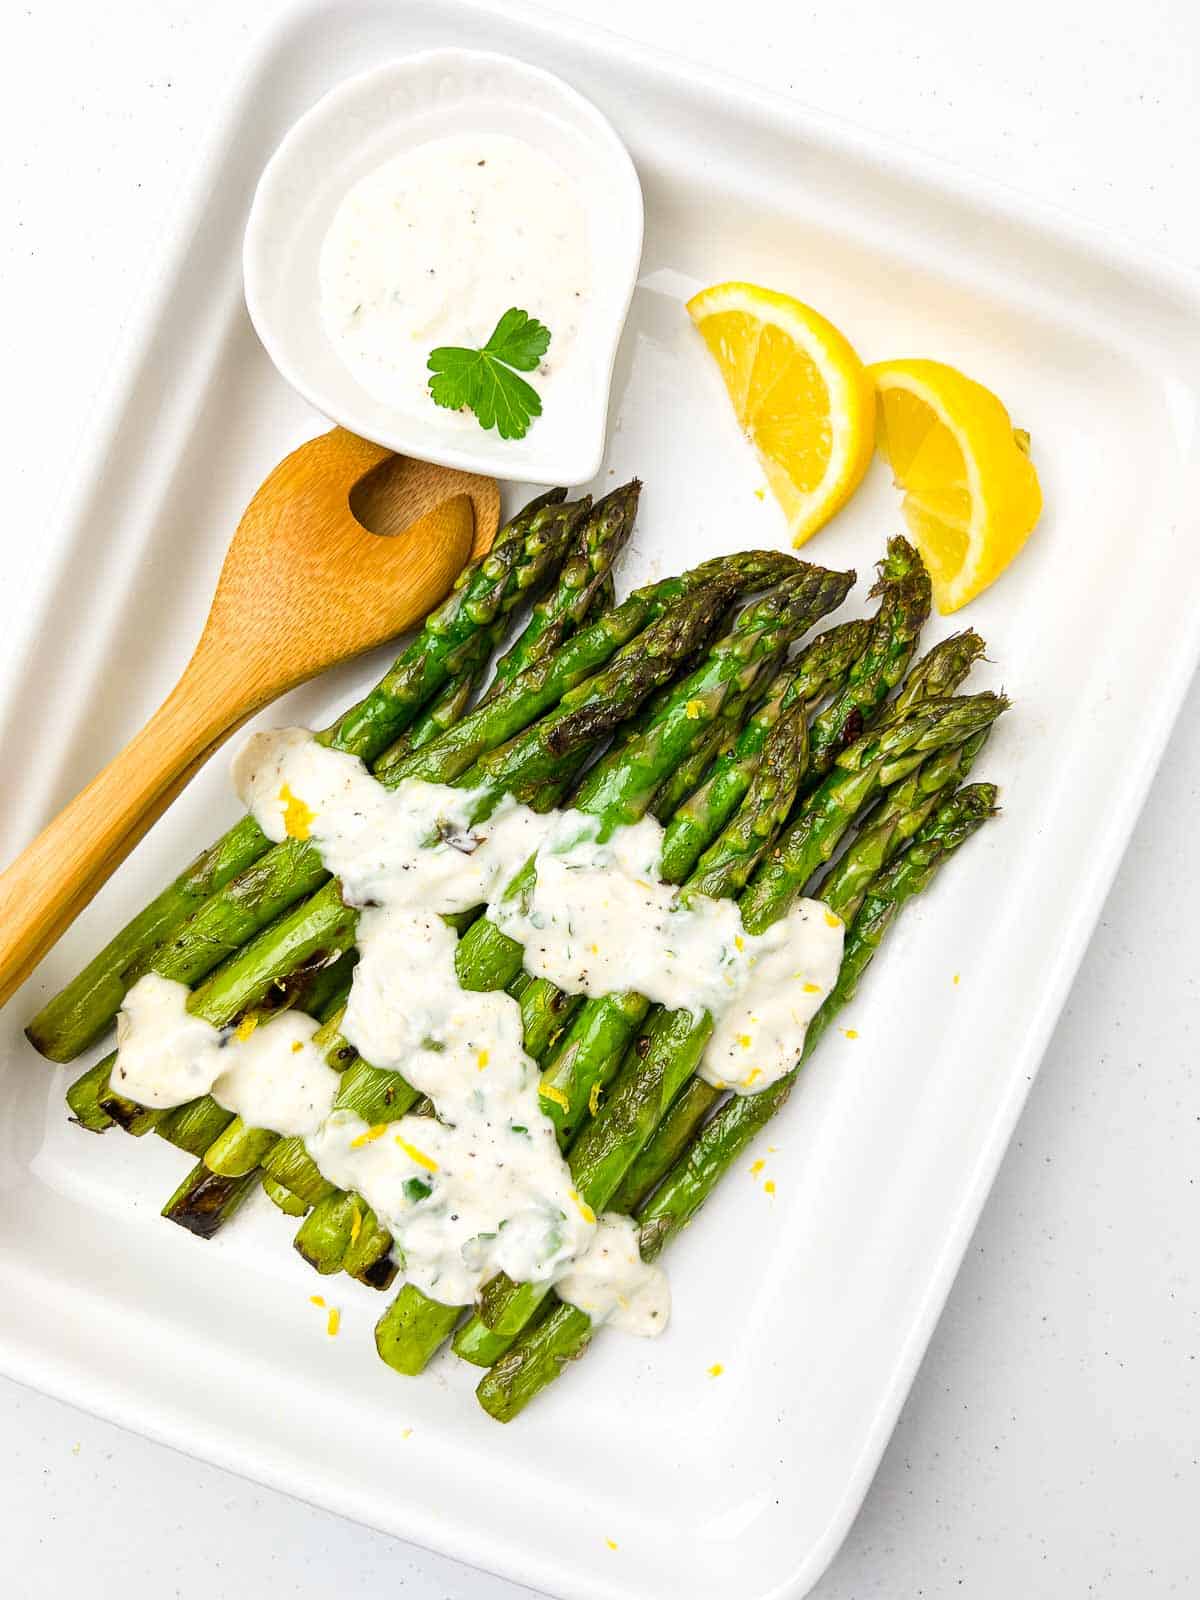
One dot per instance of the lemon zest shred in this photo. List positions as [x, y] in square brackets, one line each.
[756, 1167]
[297, 818]
[245, 1027]
[355, 1224]
[769, 1186]
[549, 1092]
[419, 1156]
[333, 1322]
[584, 1210]
[317, 1300]
[716, 1370]
[377, 1132]
[812, 988]
[297, 1046]
[851, 1033]
[594, 1098]
[612, 1544]
[832, 920]
[482, 1059]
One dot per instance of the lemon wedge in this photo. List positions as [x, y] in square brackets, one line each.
[799, 392]
[971, 494]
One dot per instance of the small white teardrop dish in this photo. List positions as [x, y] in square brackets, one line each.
[387, 113]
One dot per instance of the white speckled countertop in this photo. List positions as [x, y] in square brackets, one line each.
[1050, 1446]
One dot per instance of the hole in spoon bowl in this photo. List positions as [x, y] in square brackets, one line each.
[394, 495]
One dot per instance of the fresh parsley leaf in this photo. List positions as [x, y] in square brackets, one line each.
[417, 1189]
[519, 340]
[486, 381]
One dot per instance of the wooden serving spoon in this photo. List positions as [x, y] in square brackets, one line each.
[307, 582]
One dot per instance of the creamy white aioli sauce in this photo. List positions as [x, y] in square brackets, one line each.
[278, 1078]
[165, 1055]
[614, 1285]
[599, 920]
[483, 1188]
[790, 969]
[272, 1075]
[432, 247]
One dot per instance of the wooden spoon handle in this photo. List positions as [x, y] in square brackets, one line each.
[55, 877]
[51, 881]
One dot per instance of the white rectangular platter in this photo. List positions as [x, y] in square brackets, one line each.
[817, 1303]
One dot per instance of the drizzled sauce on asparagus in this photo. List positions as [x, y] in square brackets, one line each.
[483, 1187]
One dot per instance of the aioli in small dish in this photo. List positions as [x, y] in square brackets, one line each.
[433, 246]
